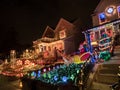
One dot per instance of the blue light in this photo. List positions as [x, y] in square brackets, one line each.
[102, 16]
[119, 9]
[57, 67]
[55, 78]
[64, 79]
[90, 47]
[39, 74]
[39, 71]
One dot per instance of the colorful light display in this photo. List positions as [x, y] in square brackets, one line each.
[61, 75]
[105, 42]
[33, 74]
[87, 34]
[105, 47]
[105, 55]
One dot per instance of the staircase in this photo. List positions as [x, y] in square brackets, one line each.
[106, 73]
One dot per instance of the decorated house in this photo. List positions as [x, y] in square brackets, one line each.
[106, 11]
[104, 34]
[65, 37]
[106, 19]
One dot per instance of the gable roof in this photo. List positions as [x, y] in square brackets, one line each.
[103, 3]
[77, 22]
[63, 24]
[49, 32]
[99, 4]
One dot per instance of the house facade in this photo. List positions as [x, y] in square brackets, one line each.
[106, 11]
[106, 19]
[63, 38]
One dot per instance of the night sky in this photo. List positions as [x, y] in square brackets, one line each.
[22, 21]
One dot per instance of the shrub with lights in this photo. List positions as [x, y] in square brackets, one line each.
[56, 75]
[105, 55]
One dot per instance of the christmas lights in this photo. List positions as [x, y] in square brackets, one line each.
[62, 74]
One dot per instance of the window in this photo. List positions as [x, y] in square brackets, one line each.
[110, 10]
[62, 34]
[102, 33]
[44, 48]
[49, 48]
[92, 36]
[109, 31]
[41, 48]
[118, 9]
[102, 17]
[97, 35]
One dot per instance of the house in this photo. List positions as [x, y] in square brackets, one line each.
[65, 37]
[106, 18]
[106, 11]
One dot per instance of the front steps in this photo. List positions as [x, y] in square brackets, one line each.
[105, 76]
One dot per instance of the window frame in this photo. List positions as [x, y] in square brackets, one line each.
[100, 21]
[118, 7]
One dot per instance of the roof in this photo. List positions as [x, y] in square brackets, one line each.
[49, 32]
[63, 24]
[101, 1]
[104, 3]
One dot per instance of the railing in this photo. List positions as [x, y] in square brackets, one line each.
[116, 85]
[84, 74]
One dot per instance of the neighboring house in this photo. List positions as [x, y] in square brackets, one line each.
[106, 11]
[106, 19]
[65, 37]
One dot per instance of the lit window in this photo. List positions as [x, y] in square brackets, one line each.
[118, 11]
[110, 10]
[102, 17]
[102, 33]
[97, 37]
[92, 36]
[109, 31]
[62, 34]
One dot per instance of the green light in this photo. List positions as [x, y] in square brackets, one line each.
[105, 55]
[49, 75]
[44, 75]
[78, 71]
[72, 77]
[60, 75]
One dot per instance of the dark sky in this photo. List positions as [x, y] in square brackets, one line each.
[29, 18]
